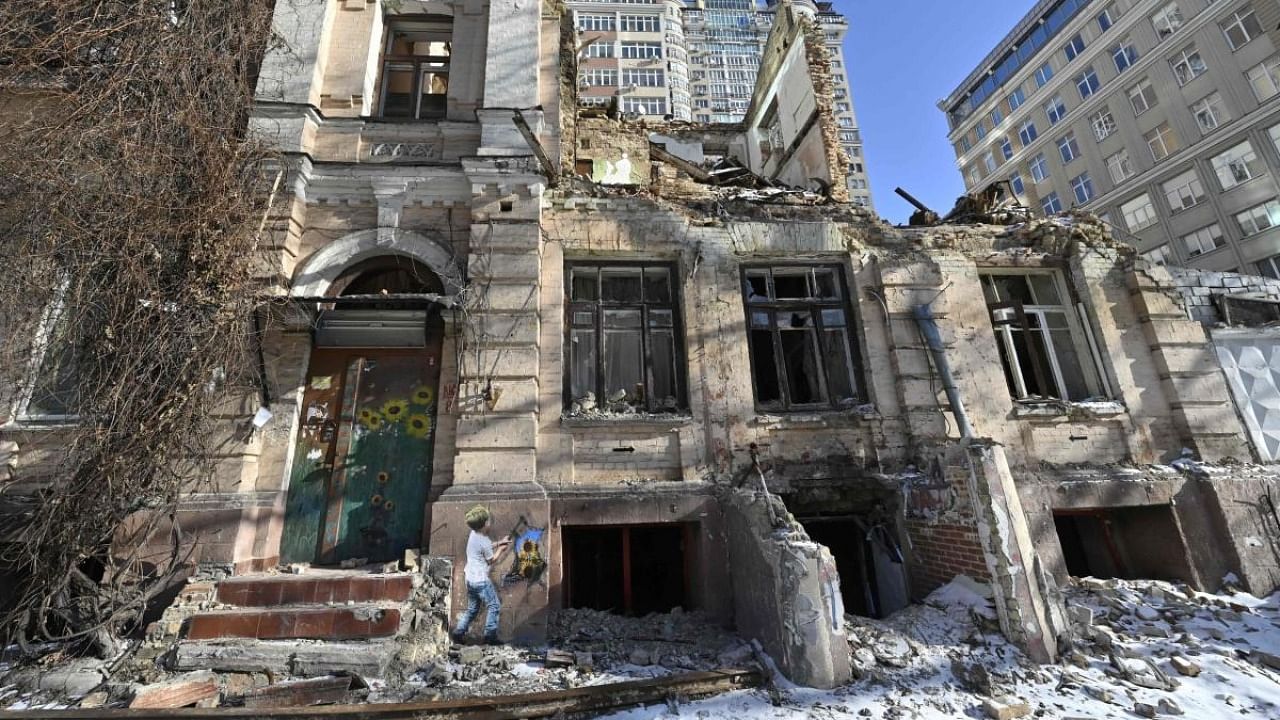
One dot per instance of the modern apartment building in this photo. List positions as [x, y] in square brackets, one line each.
[697, 61]
[1159, 115]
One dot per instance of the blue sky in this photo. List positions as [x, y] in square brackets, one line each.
[903, 56]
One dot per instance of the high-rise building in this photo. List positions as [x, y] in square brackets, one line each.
[698, 61]
[1161, 116]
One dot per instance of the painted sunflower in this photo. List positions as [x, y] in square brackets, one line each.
[371, 419]
[383, 478]
[424, 395]
[419, 425]
[376, 500]
[394, 410]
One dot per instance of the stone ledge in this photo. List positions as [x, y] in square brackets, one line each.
[821, 418]
[1069, 410]
[626, 422]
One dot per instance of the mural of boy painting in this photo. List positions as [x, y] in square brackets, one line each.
[482, 555]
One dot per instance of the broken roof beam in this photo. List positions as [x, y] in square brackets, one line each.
[657, 152]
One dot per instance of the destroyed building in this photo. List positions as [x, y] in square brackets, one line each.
[682, 371]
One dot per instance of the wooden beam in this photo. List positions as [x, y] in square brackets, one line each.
[594, 699]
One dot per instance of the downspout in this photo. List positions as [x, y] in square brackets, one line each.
[929, 329]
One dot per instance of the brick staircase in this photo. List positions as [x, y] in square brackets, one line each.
[319, 622]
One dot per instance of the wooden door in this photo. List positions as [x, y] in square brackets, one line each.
[362, 466]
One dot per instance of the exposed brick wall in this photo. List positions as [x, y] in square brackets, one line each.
[940, 551]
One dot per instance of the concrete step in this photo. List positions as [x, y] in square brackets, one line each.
[320, 623]
[340, 589]
[289, 658]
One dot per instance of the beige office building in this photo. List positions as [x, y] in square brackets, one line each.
[1159, 115]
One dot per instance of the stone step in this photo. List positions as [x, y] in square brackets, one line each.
[276, 590]
[289, 658]
[321, 623]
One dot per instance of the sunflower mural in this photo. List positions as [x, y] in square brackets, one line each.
[418, 425]
[371, 419]
[395, 410]
[424, 395]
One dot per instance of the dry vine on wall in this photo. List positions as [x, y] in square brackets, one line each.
[132, 202]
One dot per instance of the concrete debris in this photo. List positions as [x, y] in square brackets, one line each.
[302, 693]
[1184, 666]
[1005, 709]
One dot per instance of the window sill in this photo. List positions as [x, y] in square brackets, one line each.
[1058, 410]
[816, 418]
[653, 422]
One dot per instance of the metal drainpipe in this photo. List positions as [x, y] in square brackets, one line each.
[929, 328]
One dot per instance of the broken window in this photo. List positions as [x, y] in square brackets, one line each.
[623, 339]
[1044, 347]
[415, 69]
[800, 331]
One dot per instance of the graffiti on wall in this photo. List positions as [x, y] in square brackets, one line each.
[529, 559]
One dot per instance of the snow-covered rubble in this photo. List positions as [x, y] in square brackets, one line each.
[1219, 655]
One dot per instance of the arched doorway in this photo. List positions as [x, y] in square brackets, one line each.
[361, 468]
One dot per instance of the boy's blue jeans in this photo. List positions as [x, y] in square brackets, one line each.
[477, 593]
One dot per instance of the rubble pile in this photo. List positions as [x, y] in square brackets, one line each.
[677, 641]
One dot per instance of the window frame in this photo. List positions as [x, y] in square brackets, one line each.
[1236, 20]
[814, 306]
[599, 305]
[1081, 338]
[442, 26]
[42, 346]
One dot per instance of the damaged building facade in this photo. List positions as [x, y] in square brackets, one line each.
[681, 371]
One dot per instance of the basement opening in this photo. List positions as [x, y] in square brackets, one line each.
[873, 579]
[1128, 543]
[628, 569]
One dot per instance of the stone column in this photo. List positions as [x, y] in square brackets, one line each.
[1190, 377]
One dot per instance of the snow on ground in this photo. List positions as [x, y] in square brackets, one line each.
[911, 664]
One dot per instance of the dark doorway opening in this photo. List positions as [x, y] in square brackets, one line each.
[628, 569]
[1129, 543]
[872, 577]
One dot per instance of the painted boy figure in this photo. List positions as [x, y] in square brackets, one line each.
[482, 555]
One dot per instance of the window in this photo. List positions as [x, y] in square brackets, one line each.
[1161, 141]
[1016, 98]
[1106, 18]
[1103, 124]
[1068, 148]
[644, 105]
[643, 78]
[600, 50]
[1055, 110]
[1270, 267]
[1204, 240]
[1259, 217]
[600, 78]
[1139, 213]
[415, 69]
[1162, 255]
[989, 162]
[641, 23]
[1184, 191]
[1087, 83]
[1039, 168]
[1236, 165]
[1027, 133]
[980, 130]
[1044, 74]
[1051, 204]
[997, 117]
[51, 392]
[1188, 65]
[1006, 149]
[1074, 47]
[1264, 78]
[1274, 133]
[1119, 167]
[1042, 349]
[1142, 97]
[1124, 56]
[601, 23]
[624, 340]
[801, 338]
[1209, 112]
[1015, 181]
[1167, 20]
[641, 50]
[1082, 187]
[1240, 27]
